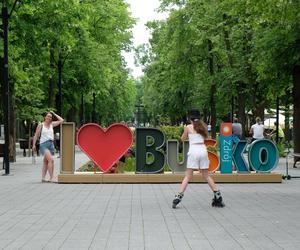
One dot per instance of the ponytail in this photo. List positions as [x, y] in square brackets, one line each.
[200, 127]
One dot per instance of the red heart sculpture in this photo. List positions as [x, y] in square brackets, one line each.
[104, 146]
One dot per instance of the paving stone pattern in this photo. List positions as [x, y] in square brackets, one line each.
[35, 215]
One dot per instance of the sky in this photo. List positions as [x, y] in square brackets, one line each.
[143, 11]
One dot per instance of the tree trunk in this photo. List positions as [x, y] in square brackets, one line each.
[205, 115]
[230, 60]
[12, 125]
[296, 103]
[72, 115]
[287, 115]
[94, 109]
[51, 97]
[213, 90]
[60, 102]
[82, 117]
[241, 99]
[213, 111]
[227, 41]
[259, 111]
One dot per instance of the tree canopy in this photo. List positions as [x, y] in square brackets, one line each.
[81, 40]
[225, 57]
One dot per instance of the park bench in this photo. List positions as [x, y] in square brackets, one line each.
[296, 159]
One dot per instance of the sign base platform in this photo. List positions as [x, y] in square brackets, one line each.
[167, 177]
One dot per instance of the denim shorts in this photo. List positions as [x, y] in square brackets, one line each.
[47, 145]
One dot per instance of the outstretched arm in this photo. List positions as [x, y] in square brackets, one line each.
[59, 120]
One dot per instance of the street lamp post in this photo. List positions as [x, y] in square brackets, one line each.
[6, 93]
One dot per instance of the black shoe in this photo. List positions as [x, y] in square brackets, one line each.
[177, 200]
[217, 201]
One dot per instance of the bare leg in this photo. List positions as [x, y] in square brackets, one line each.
[44, 169]
[217, 200]
[209, 180]
[51, 170]
[49, 163]
[186, 180]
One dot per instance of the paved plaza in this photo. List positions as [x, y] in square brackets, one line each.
[35, 215]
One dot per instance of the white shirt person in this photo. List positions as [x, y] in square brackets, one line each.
[257, 130]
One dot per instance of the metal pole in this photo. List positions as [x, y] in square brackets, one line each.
[6, 89]
[138, 116]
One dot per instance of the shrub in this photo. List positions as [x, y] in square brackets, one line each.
[281, 149]
[172, 132]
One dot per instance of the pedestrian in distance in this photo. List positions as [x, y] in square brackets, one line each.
[272, 135]
[257, 130]
[209, 129]
[45, 133]
[237, 130]
[196, 132]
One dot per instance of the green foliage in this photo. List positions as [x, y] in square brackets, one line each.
[87, 167]
[172, 132]
[128, 166]
[254, 47]
[206, 54]
[85, 38]
[281, 149]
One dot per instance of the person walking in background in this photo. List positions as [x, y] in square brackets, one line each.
[196, 132]
[280, 133]
[209, 129]
[237, 131]
[257, 130]
[45, 133]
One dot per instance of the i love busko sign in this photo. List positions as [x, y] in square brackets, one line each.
[106, 146]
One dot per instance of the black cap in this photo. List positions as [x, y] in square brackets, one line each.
[194, 114]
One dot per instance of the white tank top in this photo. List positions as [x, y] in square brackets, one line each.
[195, 138]
[47, 134]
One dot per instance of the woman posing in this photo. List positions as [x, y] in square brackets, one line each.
[45, 133]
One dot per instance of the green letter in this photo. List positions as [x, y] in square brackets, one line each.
[149, 159]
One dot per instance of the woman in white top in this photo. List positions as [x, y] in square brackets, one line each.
[197, 158]
[45, 133]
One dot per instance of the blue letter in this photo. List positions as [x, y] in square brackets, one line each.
[263, 155]
[238, 158]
